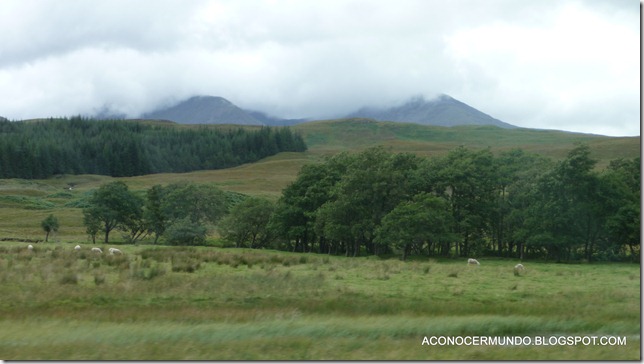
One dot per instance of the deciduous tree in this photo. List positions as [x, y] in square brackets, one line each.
[113, 205]
[49, 224]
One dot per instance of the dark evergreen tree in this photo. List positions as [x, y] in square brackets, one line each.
[126, 148]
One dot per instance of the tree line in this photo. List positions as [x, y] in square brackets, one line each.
[121, 148]
[467, 203]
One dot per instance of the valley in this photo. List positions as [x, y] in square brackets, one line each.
[221, 303]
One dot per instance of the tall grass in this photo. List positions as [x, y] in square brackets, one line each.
[291, 338]
[62, 304]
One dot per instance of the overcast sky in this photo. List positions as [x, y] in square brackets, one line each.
[554, 64]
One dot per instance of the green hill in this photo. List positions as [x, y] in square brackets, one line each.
[332, 136]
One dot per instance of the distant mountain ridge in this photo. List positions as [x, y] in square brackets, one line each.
[204, 110]
[215, 110]
[441, 111]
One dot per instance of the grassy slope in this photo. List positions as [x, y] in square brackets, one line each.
[241, 304]
[350, 134]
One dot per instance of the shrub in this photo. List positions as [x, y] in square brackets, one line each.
[185, 265]
[99, 279]
[116, 260]
[155, 271]
[69, 278]
[147, 274]
[185, 232]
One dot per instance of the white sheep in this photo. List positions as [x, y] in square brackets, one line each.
[473, 262]
[77, 248]
[30, 247]
[97, 250]
[518, 269]
[115, 251]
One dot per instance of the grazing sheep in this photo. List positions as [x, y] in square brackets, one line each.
[77, 247]
[30, 247]
[518, 269]
[472, 262]
[97, 250]
[115, 251]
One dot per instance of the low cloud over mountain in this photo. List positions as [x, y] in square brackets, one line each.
[204, 110]
[441, 111]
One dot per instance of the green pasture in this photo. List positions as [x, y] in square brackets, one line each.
[226, 304]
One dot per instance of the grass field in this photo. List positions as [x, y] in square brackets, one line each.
[211, 303]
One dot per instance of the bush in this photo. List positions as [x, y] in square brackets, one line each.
[69, 278]
[139, 272]
[185, 232]
[99, 279]
[185, 265]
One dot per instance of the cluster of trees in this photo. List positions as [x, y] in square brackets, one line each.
[181, 213]
[467, 203]
[128, 148]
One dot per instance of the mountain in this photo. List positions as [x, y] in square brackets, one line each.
[274, 121]
[204, 110]
[441, 111]
[216, 110]
[107, 112]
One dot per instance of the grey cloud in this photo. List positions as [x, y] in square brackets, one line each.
[322, 58]
[51, 28]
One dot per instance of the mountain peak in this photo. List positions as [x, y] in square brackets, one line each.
[204, 110]
[208, 99]
[442, 110]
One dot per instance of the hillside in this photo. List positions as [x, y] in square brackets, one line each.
[441, 111]
[332, 136]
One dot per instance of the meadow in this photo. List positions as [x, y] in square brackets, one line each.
[192, 303]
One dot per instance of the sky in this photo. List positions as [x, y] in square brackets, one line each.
[551, 64]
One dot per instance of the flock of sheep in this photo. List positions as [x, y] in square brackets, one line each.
[113, 251]
[518, 269]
